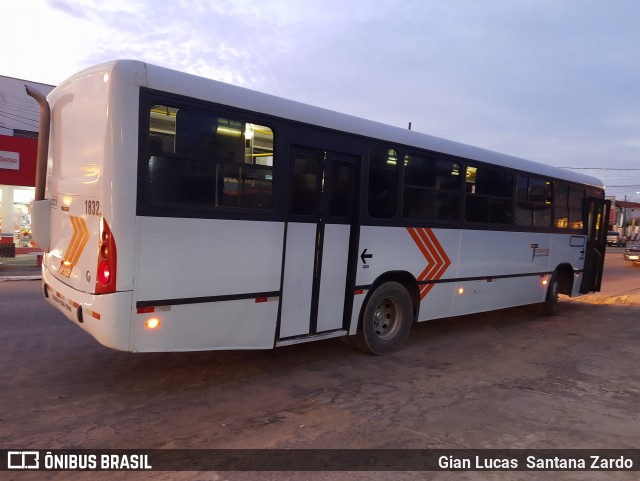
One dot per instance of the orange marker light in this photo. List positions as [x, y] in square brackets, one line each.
[152, 323]
[461, 290]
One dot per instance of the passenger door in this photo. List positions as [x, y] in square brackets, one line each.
[319, 236]
[597, 211]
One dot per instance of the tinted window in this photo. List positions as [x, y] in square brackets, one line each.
[383, 176]
[489, 195]
[561, 209]
[431, 188]
[576, 198]
[533, 202]
[568, 201]
[201, 159]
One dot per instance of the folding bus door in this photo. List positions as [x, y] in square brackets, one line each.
[597, 217]
[319, 235]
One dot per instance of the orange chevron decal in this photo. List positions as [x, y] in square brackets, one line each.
[79, 240]
[437, 260]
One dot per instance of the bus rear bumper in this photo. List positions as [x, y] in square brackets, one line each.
[107, 317]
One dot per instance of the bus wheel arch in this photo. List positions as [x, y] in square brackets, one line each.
[560, 282]
[564, 275]
[387, 314]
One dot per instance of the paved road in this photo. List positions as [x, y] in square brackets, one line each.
[500, 380]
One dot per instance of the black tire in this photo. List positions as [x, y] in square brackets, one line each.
[548, 307]
[386, 320]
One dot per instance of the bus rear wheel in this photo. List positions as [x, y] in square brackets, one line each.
[386, 320]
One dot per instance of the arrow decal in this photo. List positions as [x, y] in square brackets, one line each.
[78, 241]
[364, 256]
[437, 260]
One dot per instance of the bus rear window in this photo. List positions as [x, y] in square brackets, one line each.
[198, 158]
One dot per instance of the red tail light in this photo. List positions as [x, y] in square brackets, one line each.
[104, 273]
[107, 261]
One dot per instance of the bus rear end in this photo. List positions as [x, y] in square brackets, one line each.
[87, 268]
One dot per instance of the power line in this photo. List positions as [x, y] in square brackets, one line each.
[11, 106]
[21, 98]
[15, 116]
[12, 118]
[596, 168]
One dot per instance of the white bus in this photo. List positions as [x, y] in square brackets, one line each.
[179, 213]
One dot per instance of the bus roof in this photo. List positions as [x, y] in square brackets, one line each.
[160, 78]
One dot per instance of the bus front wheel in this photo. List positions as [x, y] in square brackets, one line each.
[386, 320]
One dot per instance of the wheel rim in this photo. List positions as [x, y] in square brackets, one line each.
[386, 318]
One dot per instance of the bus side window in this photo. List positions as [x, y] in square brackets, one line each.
[431, 188]
[533, 202]
[383, 185]
[489, 195]
[162, 129]
[561, 209]
[576, 198]
[568, 207]
[197, 158]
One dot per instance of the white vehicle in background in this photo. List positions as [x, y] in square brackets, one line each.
[615, 238]
[179, 213]
[632, 254]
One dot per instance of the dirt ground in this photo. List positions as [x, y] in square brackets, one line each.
[508, 379]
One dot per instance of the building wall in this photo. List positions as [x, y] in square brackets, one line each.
[19, 126]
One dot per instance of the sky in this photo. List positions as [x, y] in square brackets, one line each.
[555, 81]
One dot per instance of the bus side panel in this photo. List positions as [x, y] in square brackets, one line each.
[460, 271]
[567, 248]
[491, 294]
[237, 324]
[193, 261]
[495, 253]
[187, 258]
[427, 254]
[436, 301]
[499, 269]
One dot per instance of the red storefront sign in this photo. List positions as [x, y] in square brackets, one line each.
[18, 161]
